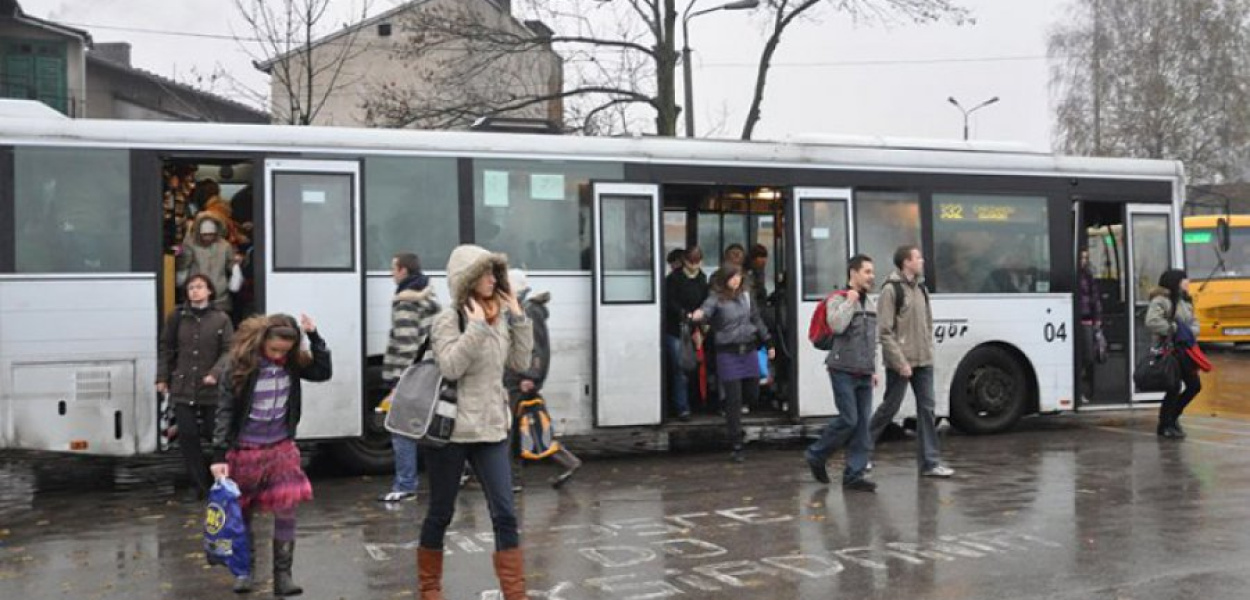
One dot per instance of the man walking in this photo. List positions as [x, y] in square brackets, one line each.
[906, 329]
[413, 309]
[852, 366]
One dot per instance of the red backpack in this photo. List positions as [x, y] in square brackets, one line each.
[818, 331]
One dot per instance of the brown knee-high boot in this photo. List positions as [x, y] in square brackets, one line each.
[430, 574]
[510, 568]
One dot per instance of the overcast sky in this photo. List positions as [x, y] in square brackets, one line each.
[831, 77]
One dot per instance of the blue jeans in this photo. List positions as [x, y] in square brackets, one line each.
[927, 453]
[493, 469]
[681, 382]
[405, 463]
[850, 429]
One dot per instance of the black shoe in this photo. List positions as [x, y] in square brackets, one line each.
[819, 469]
[860, 485]
[283, 558]
[737, 456]
[1172, 433]
[684, 417]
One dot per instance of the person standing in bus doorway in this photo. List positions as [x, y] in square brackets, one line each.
[852, 365]
[738, 331]
[254, 437]
[483, 332]
[528, 383]
[413, 309]
[684, 292]
[674, 259]
[1091, 321]
[1170, 317]
[207, 253]
[193, 352]
[905, 326]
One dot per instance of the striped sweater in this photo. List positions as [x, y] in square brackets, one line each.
[412, 314]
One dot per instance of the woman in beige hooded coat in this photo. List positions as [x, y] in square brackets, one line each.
[483, 332]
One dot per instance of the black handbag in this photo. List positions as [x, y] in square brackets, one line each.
[687, 356]
[1158, 370]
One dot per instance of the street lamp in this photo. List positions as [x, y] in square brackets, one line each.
[952, 100]
[685, 50]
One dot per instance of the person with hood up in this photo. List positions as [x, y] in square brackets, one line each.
[1170, 317]
[483, 332]
[208, 254]
[412, 315]
[528, 383]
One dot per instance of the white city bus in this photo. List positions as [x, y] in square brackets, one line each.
[86, 272]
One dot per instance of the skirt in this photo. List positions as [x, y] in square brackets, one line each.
[270, 478]
[732, 367]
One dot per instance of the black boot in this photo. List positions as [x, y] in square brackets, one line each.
[283, 558]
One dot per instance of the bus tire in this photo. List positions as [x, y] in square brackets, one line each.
[369, 454]
[990, 392]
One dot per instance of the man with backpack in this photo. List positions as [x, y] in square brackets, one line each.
[906, 329]
[849, 332]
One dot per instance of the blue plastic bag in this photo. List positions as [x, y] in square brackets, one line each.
[225, 532]
[762, 356]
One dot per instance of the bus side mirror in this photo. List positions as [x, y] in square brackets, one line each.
[1222, 235]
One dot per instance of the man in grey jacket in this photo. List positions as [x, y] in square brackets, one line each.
[852, 364]
[907, 346]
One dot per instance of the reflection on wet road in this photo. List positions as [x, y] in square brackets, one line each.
[1068, 507]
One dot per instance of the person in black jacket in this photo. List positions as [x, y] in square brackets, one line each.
[528, 384]
[684, 292]
[254, 440]
[192, 356]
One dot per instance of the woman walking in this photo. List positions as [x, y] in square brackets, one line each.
[1170, 317]
[256, 424]
[193, 353]
[483, 332]
[739, 331]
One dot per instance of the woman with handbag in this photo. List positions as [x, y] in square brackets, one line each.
[496, 336]
[1170, 317]
[738, 331]
[254, 439]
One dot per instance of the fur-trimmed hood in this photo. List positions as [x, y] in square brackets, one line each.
[1160, 291]
[222, 231]
[415, 296]
[467, 264]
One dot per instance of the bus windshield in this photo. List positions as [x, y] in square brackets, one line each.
[1201, 258]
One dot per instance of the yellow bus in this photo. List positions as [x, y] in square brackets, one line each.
[1219, 274]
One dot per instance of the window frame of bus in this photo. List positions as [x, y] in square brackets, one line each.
[133, 261]
[602, 271]
[884, 265]
[354, 181]
[941, 264]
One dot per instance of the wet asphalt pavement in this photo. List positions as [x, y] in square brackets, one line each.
[1089, 506]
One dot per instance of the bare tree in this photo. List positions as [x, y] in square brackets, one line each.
[785, 13]
[282, 40]
[1155, 79]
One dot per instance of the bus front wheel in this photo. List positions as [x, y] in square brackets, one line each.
[990, 392]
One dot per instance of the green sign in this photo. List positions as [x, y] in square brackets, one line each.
[1198, 237]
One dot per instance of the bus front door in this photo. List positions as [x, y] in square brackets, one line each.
[821, 238]
[627, 278]
[313, 265]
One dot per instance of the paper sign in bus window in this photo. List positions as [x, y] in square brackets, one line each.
[820, 233]
[495, 188]
[546, 187]
[313, 196]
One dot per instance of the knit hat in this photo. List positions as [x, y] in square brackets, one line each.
[518, 281]
[208, 226]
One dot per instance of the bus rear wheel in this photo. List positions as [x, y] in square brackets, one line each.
[989, 393]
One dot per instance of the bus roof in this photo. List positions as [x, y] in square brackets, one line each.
[1204, 221]
[865, 153]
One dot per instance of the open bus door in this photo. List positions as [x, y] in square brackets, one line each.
[820, 229]
[1151, 251]
[313, 265]
[627, 279]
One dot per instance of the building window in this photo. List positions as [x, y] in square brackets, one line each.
[883, 222]
[411, 205]
[384, 30]
[991, 243]
[72, 210]
[535, 212]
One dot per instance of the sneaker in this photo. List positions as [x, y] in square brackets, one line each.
[860, 485]
[819, 470]
[558, 481]
[746, 410]
[684, 416]
[940, 471]
[397, 496]
[868, 467]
